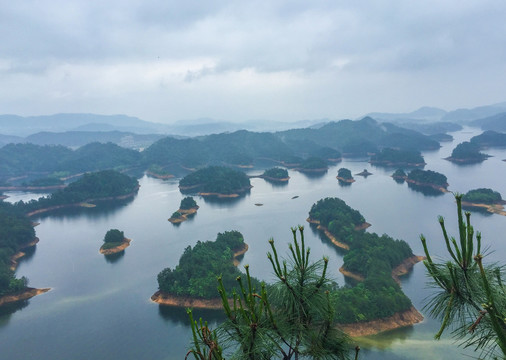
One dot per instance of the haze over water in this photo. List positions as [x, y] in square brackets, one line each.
[100, 308]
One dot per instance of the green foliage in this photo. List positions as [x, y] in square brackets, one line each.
[176, 215]
[482, 196]
[399, 173]
[489, 139]
[344, 173]
[16, 230]
[49, 181]
[334, 209]
[114, 236]
[187, 203]
[276, 173]
[102, 184]
[216, 179]
[391, 157]
[467, 152]
[292, 319]
[198, 268]
[428, 177]
[313, 163]
[470, 297]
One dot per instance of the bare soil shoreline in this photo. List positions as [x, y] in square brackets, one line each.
[23, 295]
[124, 244]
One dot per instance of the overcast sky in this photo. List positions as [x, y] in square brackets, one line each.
[238, 60]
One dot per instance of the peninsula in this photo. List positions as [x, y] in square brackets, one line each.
[467, 153]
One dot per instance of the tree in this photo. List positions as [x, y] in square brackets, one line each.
[114, 235]
[293, 318]
[471, 297]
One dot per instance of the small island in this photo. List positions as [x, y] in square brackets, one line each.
[192, 283]
[467, 153]
[486, 199]
[428, 179]
[114, 242]
[344, 175]
[218, 181]
[396, 158]
[365, 173]
[399, 176]
[187, 207]
[276, 174]
[313, 165]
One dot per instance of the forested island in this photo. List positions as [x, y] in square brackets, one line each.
[276, 174]
[344, 175]
[16, 234]
[395, 158]
[375, 261]
[313, 165]
[428, 178]
[193, 281]
[467, 153]
[106, 185]
[187, 207]
[217, 181]
[114, 242]
[484, 198]
[399, 176]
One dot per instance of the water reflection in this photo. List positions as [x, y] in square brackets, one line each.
[344, 183]
[102, 208]
[314, 174]
[227, 201]
[114, 258]
[426, 190]
[29, 253]
[7, 310]
[477, 209]
[277, 184]
[179, 316]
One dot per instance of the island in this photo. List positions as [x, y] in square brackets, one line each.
[376, 303]
[489, 139]
[218, 181]
[467, 153]
[192, 283]
[344, 175]
[396, 158]
[114, 242]
[16, 234]
[313, 165]
[365, 173]
[399, 176]
[428, 179]
[106, 185]
[484, 198]
[276, 174]
[158, 172]
[187, 207]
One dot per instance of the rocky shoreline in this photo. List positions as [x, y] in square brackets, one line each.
[26, 294]
[124, 244]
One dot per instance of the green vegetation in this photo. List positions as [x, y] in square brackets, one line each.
[427, 177]
[158, 170]
[489, 139]
[16, 230]
[176, 215]
[313, 164]
[187, 203]
[371, 256]
[467, 152]
[392, 157]
[92, 186]
[198, 268]
[344, 174]
[291, 319]
[482, 196]
[42, 182]
[216, 179]
[275, 173]
[399, 174]
[471, 297]
[114, 236]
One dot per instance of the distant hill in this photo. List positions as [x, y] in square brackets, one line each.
[496, 122]
[480, 112]
[424, 113]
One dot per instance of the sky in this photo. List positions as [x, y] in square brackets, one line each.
[167, 61]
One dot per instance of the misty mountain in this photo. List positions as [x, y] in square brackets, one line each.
[480, 112]
[496, 122]
[425, 113]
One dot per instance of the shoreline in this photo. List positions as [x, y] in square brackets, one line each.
[349, 181]
[26, 294]
[400, 319]
[329, 235]
[159, 176]
[124, 244]
[19, 254]
[443, 189]
[492, 208]
[396, 164]
[238, 252]
[184, 215]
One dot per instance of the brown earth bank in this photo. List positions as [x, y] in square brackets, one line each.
[397, 164]
[124, 244]
[85, 203]
[345, 180]
[434, 186]
[238, 252]
[184, 215]
[220, 195]
[275, 179]
[496, 208]
[401, 319]
[159, 176]
[23, 295]
[350, 274]
[14, 258]
[466, 161]
[185, 301]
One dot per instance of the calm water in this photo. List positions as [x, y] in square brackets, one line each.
[99, 308]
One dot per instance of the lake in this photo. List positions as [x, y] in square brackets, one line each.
[100, 308]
